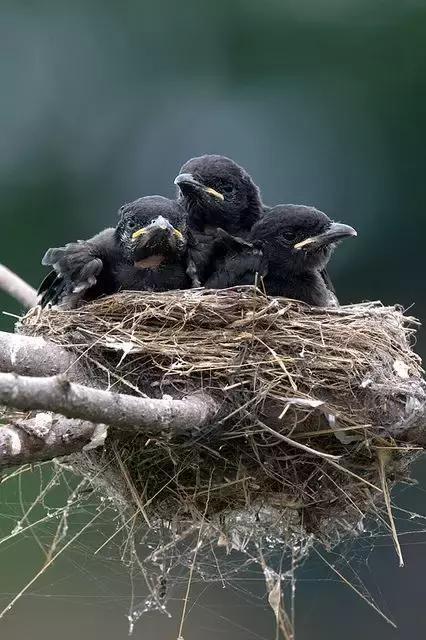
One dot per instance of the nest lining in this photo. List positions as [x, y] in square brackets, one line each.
[309, 398]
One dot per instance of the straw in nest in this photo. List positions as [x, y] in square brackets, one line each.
[313, 404]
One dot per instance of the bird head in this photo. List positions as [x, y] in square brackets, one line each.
[303, 238]
[217, 192]
[151, 231]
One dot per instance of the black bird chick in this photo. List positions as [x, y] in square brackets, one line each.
[151, 234]
[216, 193]
[292, 245]
[146, 251]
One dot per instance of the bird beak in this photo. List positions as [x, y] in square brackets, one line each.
[187, 180]
[336, 231]
[138, 233]
[158, 223]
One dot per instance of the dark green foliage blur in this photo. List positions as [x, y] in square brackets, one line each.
[323, 101]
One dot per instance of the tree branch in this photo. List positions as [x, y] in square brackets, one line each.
[17, 288]
[83, 409]
[59, 395]
[35, 356]
[46, 436]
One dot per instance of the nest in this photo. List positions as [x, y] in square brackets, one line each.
[312, 430]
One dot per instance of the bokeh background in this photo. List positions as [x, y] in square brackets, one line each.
[324, 102]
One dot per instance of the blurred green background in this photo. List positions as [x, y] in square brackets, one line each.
[324, 102]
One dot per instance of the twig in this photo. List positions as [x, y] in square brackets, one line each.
[383, 459]
[71, 400]
[46, 436]
[17, 288]
[35, 356]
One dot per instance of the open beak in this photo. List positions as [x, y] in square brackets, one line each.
[337, 231]
[158, 223]
[186, 181]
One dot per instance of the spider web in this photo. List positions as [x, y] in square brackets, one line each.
[65, 522]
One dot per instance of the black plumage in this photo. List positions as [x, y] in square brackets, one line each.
[82, 270]
[146, 251]
[216, 193]
[324, 272]
[291, 246]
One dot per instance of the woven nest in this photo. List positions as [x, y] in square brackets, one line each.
[313, 402]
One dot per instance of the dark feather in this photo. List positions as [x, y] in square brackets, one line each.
[216, 193]
[111, 260]
[286, 268]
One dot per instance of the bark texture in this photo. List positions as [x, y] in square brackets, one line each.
[35, 356]
[46, 436]
[71, 400]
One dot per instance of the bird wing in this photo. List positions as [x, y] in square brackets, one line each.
[238, 269]
[209, 248]
[50, 289]
[76, 268]
[201, 246]
[75, 271]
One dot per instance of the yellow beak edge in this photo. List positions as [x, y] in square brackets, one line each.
[141, 231]
[214, 193]
[138, 233]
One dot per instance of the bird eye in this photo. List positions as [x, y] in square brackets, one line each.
[131, 224]
[227, 188]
